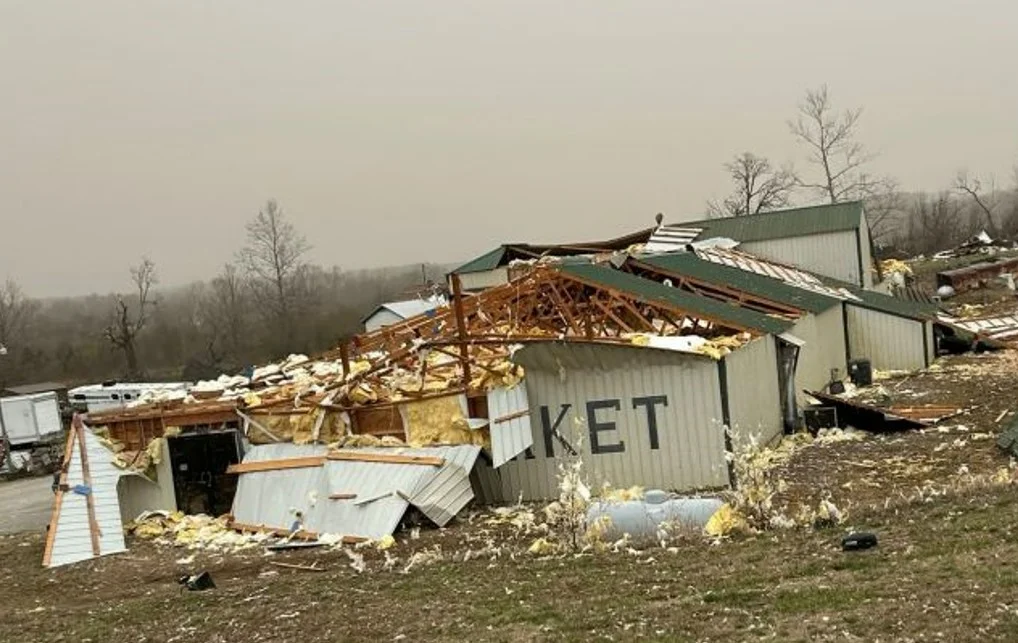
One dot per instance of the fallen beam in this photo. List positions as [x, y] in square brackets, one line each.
[865, 416]
[342, 496]
[386, 458]
[277, 465]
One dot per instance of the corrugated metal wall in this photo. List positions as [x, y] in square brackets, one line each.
[72, 541]
[754, 400]
[656, 414]
[834, 254]
[483, 280]
[931, 343]
[888, 341]
[824, 335]
[869, 274]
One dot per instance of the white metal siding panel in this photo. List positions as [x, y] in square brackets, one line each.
[888, 341]
[484, 280]
[72, 541]
[511, 437]
[834, 254]
[824, 335]
[690, 448]
[931, 342]
[754, 403]
[383, 317]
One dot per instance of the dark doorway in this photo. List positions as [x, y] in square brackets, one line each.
[199, 462]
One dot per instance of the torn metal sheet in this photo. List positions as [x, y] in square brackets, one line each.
[789, 274]
[865, 416]
[509, 414]
[352, 497]
[444, 495]
[671, 238]
[1001, 327]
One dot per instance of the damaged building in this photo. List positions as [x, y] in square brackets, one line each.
[645, 357]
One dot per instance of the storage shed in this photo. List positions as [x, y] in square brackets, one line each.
[641, 416]
[832, 240]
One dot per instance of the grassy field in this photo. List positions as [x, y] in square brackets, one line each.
[944, 570]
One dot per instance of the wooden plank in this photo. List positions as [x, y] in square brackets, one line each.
[305, 568]
[86, 476]
[357, 456]
[511, 416]
[303, 534]
[461, 327]
[342, 496]
[51, 532]
[277, 465]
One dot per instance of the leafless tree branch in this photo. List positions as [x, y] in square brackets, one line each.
[759, 187]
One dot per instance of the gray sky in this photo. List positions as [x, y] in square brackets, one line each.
[402, 131]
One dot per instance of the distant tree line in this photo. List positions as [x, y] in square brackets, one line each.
[268, 302]
[837, 170]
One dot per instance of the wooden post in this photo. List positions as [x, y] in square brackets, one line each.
[86, 475]
[344, 355]
[461, 327]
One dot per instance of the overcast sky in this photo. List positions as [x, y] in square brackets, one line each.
[404, 131]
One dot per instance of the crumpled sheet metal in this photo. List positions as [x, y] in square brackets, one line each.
[381, 492]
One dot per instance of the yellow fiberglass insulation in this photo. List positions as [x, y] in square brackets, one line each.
[298, 427]
[440, 420]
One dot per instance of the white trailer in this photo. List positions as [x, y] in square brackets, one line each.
[28, 419]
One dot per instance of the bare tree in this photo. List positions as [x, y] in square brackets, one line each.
[274, 261]
[16, 314]
[935, 223]
[224, 310]
[883, 209]
[986, 201]
[830, 137]
[759, 187]
[126, 323]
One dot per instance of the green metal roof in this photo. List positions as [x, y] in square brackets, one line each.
[689, 265]
[883, 303]
[695, 305]
[488, 261]
[781, 224]
[507, 252]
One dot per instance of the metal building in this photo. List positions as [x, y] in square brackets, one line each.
[639, 415]
[830, 240]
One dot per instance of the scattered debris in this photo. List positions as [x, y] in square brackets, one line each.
[198, 582]
[313, 567]
[858, 541]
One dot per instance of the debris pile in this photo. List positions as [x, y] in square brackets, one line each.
[193, 532]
